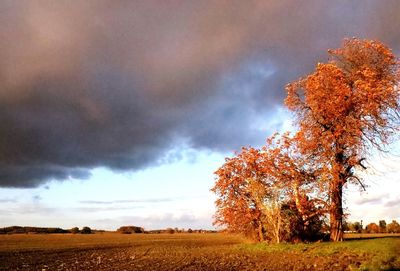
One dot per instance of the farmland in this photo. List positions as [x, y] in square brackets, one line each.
[112, 251]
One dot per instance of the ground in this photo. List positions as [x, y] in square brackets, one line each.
[112, 251]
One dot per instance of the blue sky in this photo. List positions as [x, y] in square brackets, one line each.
[171, 195]
[115, 112]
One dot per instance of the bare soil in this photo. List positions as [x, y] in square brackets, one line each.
[158, 252]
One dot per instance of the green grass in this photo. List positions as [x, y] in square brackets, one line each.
[376, 254]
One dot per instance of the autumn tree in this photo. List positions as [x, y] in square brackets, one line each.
[354, 227]
[372, 228]
[269, 193]
[344, 108]
[236, 209]
[74, 230]
[382, 226]
[393, 227]
[86, 230]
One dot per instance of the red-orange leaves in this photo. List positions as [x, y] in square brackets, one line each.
[342, 109]
[236, 206]
[253, 187]
[345, 107]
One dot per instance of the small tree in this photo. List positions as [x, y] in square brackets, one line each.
[372, 228]
[86, 230]
[74, 230]
[382, 226]
[170, 230]
[355, 227]
[130, 229]
[393, 227]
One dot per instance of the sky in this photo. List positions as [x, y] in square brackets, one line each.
[117, 113]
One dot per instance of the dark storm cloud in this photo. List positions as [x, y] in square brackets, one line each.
[118, 83]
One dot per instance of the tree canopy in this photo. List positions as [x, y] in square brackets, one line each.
[344, 109]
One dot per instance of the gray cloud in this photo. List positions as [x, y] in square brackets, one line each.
[372, 199]
[105, 202]
[8, 200]
[393, 203]
[105, 209]
[118, 84]
[183, 220]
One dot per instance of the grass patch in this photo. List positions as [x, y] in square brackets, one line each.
[374, 254]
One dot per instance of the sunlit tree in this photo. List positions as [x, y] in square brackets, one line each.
[393, 227]
[372, 228]
[256, 188]
[344, 109]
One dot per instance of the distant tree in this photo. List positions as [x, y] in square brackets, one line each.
[86, 230]
[55, 230]
[344, 108]
[170, 230]
[75, 230]
[372, 228]
[393, 227]
[356, 226]
[189, 230]
[382, 226]
[130, 229]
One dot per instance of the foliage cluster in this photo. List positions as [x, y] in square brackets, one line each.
[19, 229]
[41, 230]
[286, 189]
[381, 227]
[392, 227]
[130, 229]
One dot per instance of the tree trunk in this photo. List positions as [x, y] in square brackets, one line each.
[336, 212]
[260, 232]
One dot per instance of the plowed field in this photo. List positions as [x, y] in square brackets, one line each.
[111, 251]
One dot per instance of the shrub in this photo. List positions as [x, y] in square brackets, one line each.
[170, 230]
[86, 230]
[130, 229]
[74, 230]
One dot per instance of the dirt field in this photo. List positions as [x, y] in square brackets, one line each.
[189, 252]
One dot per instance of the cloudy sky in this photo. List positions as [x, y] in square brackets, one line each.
[119, 112]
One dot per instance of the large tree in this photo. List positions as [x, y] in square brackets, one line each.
[343, 109]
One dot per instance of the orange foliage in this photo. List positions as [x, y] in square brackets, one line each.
[342, 109]
[252, 186]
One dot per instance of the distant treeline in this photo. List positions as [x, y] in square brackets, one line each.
[26, 230]
[136, 229]
[380, 227]
[87, 230]
[176, 230]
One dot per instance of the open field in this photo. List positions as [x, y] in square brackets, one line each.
[349, 236]
[111, 251]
